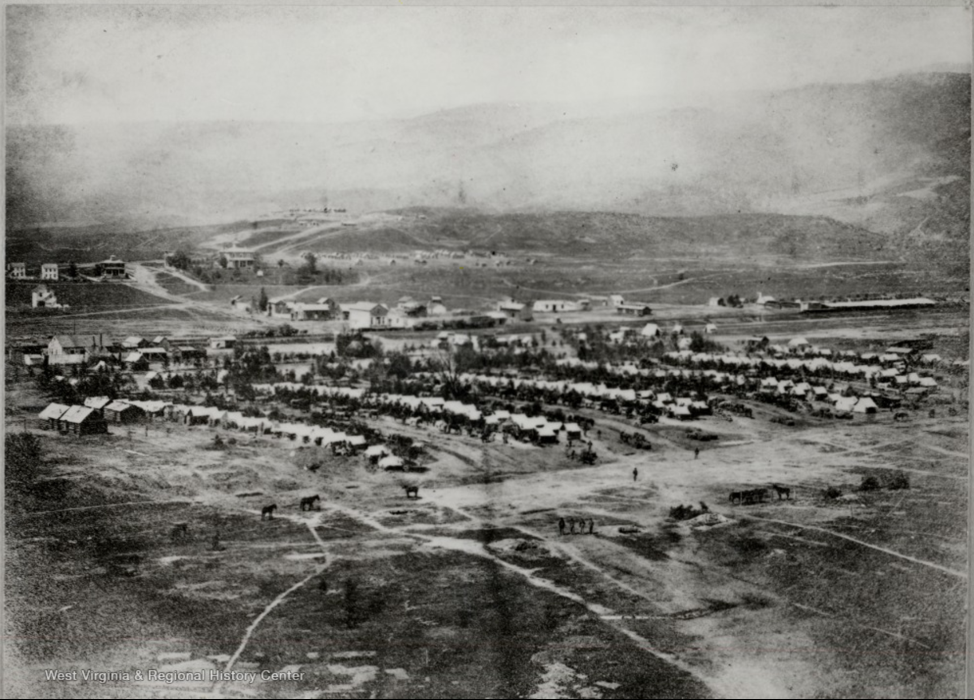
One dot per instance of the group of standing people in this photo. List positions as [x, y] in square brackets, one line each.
[572, 522]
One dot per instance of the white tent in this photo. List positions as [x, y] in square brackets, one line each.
[650, 330]
[866, 405]
[390, 462]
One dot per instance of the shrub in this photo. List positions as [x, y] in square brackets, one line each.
[899, 481]
[869, 483]
[832, 492]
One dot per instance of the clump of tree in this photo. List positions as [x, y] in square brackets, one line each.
[355, 346]
[180, 260]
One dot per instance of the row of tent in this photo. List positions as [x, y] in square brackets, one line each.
[213, 416]
[797, 365]
[545, 429]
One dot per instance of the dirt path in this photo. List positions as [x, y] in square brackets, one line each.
[187, 279]
[107, 505]
[951, 453]
[891, 552]
[260, 618]
[477, 549]
[310, 524]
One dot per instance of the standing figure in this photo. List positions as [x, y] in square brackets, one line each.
[696, 452]
[591, 526]
[571, 524]
[635, 473]
[561, 526]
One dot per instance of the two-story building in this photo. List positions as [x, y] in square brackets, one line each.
[240, 258]
[49, 271]
[68, 349]
[113, 268]
[17, 270]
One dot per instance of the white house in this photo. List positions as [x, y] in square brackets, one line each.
[49, 271]
[365, 314]
[43, 298]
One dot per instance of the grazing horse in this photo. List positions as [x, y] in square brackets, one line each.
[901, 415]
[267, 512]
[308, 503]
[736, 496]
[412, 491]
[782, 491]
[180, 531]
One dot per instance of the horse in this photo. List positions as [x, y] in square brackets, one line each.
[267, 512]
[782, 491]
[901, 415]
[412, 491]
[308, 503]
[179, 531]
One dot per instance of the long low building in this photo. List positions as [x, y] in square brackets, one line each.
[865, 304]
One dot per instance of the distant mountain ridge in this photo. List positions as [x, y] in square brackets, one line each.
[843, 151]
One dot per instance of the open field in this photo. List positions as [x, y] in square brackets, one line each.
[82, 297]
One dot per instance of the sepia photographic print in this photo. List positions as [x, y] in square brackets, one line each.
[486, 352]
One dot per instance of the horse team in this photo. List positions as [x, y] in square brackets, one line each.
[750, 496]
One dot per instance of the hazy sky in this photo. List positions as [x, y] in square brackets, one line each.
[117, 63]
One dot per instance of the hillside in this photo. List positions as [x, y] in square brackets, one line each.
[596, 236]
[841, 151]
